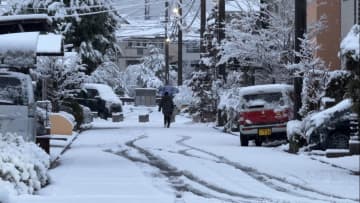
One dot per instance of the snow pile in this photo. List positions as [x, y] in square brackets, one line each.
[294, 128]
[23, 166]
[351, 43]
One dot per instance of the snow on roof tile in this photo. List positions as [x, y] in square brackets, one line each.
[25, 17]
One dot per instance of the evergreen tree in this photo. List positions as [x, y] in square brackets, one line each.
[351, 55]
[203, 107]
[64, 74]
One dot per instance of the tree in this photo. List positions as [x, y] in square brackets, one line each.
[312, 69]
[350, 51]
[65, 76]
[107, 73]
[259, 41]
[203, 107]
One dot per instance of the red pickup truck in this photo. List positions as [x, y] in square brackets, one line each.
[264, 113]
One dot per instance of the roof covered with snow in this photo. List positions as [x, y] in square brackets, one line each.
[351, 43]
[50, 44]
[25, 17]
[141, 29]
[242, 5]
[18, 49]
[21, 49]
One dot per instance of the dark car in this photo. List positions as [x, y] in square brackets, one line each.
[332, 128]
[101, 99]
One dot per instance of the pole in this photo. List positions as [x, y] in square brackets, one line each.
[147, 10]
[180, 45]
[166, 42]
[357, 11]
[221, 33]
[300, 29]
[202, 29]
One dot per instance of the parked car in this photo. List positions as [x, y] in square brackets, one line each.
[17, 105]
[264, 112]
[100, 98]
[332, 127]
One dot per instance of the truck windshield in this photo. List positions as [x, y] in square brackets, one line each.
[11, 91]
[263, 99]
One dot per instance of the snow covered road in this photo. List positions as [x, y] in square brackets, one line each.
[144, 162]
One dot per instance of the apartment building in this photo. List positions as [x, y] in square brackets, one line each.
[340, 16]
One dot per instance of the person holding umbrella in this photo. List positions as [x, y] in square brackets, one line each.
[167, 106]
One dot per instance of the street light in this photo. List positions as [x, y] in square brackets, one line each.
[176, 11]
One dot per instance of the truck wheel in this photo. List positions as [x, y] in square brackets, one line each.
[244, 141]
[258, 141]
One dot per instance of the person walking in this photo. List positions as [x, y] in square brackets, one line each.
[167, 106]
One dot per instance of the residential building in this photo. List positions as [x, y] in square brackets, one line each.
[136, 37]
[340, 15]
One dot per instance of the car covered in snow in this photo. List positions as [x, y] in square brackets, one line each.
[331, 128]
[264, 112]
[100, 98]
[17, 105]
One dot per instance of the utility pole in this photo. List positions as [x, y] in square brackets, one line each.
[180, 44]
[202, 29]
[221, 32]
[300, 29]
[147, 9]
[357, 12]
[166, 43]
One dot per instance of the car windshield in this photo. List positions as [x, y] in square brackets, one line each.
[263, 99]
[11, 91]
[92, 93]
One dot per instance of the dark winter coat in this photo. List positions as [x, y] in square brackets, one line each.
[167, 105]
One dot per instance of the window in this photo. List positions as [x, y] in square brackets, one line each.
[193, 48]
[11, 91]
[140, 51]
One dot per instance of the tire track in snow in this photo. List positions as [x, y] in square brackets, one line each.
[173, 175]
[260, 176]
[352, 172]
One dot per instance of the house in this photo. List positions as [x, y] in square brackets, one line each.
[136, 37]
[340, 16]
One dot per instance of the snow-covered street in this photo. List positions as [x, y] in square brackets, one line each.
[144, 162]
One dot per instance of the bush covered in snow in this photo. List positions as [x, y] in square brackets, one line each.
[23, 166]
[228, 107]
[328, 128]
[184, 97]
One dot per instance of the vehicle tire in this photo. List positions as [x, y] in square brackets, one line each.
[258, 141]
[336, 140]
[244, 141]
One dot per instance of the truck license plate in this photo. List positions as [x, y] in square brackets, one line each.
[264, 132]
